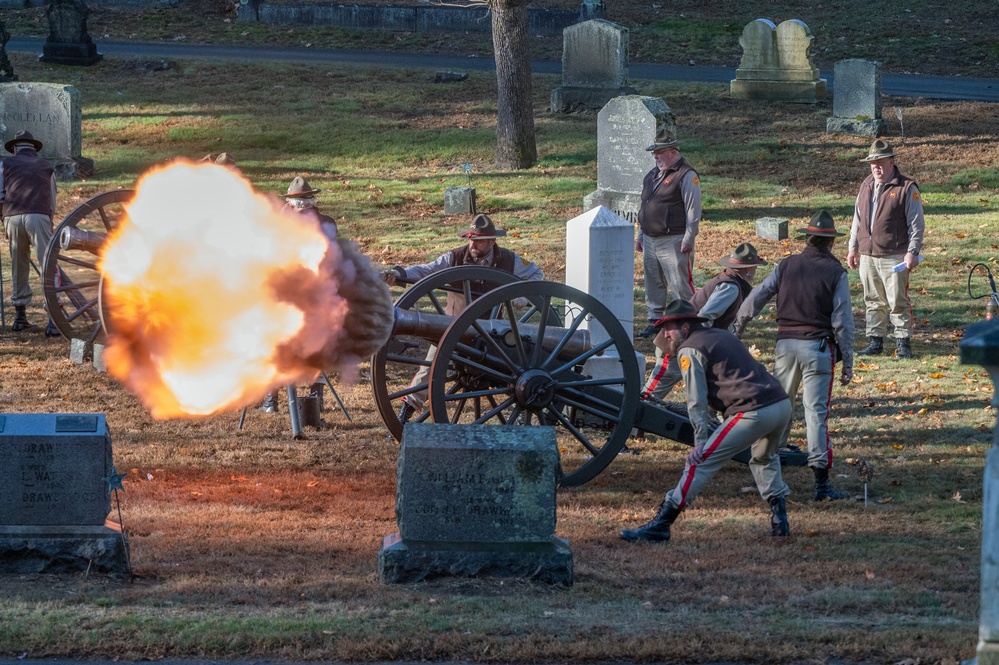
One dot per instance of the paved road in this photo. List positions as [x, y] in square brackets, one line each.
[902, 85]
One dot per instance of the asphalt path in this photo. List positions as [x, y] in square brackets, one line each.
[953, 88]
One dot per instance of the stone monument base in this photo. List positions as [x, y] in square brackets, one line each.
[568, 99]
[805, 92]
[459, 201]
[63, 53]
[870, 128]
[772, 228]
[400, 562]
[63, 549]
[620, 203]
[73, 169]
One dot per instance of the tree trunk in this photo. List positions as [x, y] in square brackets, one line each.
[515, 145]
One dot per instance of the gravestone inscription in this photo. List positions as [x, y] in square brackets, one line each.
[52, 113]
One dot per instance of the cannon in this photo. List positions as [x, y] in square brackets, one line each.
[521, 354]
[71, 280]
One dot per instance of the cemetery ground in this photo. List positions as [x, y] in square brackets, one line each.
[250, 544]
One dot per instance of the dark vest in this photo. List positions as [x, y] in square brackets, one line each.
[27, 184]
[736, 382]
[662, 212]
[728, 316]
[502, 259]
[890, 232]
[806, 284]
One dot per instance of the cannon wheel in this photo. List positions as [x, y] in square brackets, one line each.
[393, 367]
[71, 279]
[526, 384]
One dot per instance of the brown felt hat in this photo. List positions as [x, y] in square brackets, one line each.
[743, 256]
[23, 137]
[880, 149]
[482, 228]
[679, 311]
[664, 139]
[821, 224]
[300, 189]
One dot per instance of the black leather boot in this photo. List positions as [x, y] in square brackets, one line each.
[656, 531]
[650, 331]
[51, 330]
[778, 517]
[21, 319]
[824, 490]
[406, 412]
[270, 404]
[903, 348]
[875, 347]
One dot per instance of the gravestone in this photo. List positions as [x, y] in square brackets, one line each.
[51, 112]
[625, 127]
[857, 99]
[980, 346]
[776, 65]
[600, 261]
[459, 201]
[475, 501]
[772, 228]
[69, 43]
[594, 66]
[56, 475]
[6, 69]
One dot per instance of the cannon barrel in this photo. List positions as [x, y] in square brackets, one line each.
[431, 327]
[73, 238]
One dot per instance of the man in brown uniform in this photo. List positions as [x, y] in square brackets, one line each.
[28, 199]
[668, 220]
[721, 375]
[814, 329]
[717, 301]
[887, 231]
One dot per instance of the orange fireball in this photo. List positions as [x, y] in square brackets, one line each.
[213, 296]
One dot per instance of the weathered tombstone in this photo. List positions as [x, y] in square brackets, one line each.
[600, 261]
[771, 228]
[51, 112]
[594, 66]
[6, 69]
[776, 64]
[857, 99]
[589, 9]
[625, 127]
[475, 501]
[69, 43]
[56, 476]
[459, 201]
[980, 346]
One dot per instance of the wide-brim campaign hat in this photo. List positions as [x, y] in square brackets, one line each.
[880, 149]
[664, 139]
[821, 224]
[22, 137]
[743, 256]
[482, 228]
[679, 311]
[300, 189]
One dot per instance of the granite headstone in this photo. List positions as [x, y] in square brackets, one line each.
[52, 113]
[772, 228]
[69, 43]
[476, 501]
[625, 127]
[594, 66]
[459, 201]
[857, 99]
[776, 64]
[56, 474]
[6, 68]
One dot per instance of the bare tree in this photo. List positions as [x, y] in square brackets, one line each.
[515, 143]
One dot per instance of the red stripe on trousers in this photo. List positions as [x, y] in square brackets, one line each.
[707, 453]
[657, 377]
